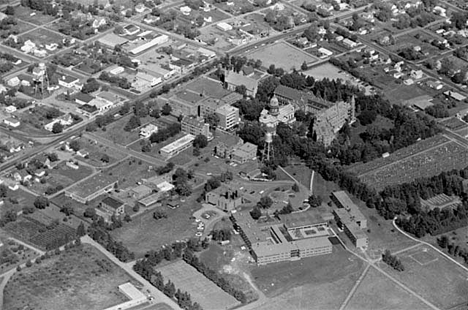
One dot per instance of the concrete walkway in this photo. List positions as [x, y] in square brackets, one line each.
[157, 294]
[429, 245]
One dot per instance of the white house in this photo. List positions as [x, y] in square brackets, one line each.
[148, 79]
[68, 81]
[12, 122]
[98, 22]
[101, 105]
[224, 26]
[148, 130]
[65, 120]
[10, 109]
[13, 82]
[185, 10]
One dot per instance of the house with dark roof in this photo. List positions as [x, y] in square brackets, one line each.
[82, 98]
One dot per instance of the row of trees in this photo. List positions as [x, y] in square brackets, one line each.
[392, 261]
[452, 248]
[165, 133]
[100, 234]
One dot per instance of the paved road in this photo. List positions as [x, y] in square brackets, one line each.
[158, 295]
[6, 278]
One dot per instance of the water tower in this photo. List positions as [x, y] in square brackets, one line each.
[40, 78]
[267, 154]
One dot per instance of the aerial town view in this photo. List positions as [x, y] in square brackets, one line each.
[234, 154]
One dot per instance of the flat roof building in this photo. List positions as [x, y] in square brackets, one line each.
[234, 79]
[228, 116]
[225, 198]
[273, 241]
[177, 146]
[91, 188]
[244, 153]
[196, 126]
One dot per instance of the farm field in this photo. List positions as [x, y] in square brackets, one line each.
[203, 291]
[444, 157]
[311, 283]
[282, 55]
[40, 230]
[81, 279]
[376, 291]
[144, 233]
[432, 277]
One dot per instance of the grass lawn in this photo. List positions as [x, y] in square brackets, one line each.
[323, 188]
[16, 200]
[53, 212]
[144, 233]
[78, 208]
[320, 282]
[115, 132]
[432, 277]
[209, 87]
[80, 279]
[96, 151]
[202, 290]
[300, 172]
[39, 19]
[376, 291]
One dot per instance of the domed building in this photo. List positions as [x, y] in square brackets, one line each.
[277, 113]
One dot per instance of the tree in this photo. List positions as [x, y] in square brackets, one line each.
[200, 141]
[90, 86]
[315, 201]
[80, 230]
[53, 157]
[57, 127]
[10, 10]
[105, 158]
[75, 145]
[166, 109]
[295, 188]
[256, 213]
[133, 122]
[241, 89]
[265, 202]
[41, 202]
[90, 212]
[213, 120]
[3, 190]
[304, 66]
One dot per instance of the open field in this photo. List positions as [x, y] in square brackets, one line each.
[433, 277]
[144, 233]
[444, 157]
[96, 151]
[332, 72]
[228, 260]
[203, 291]
[320, 282]
[282, 55]
[378, 292]
[115, 132]
[39, 19]
[80, 279]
